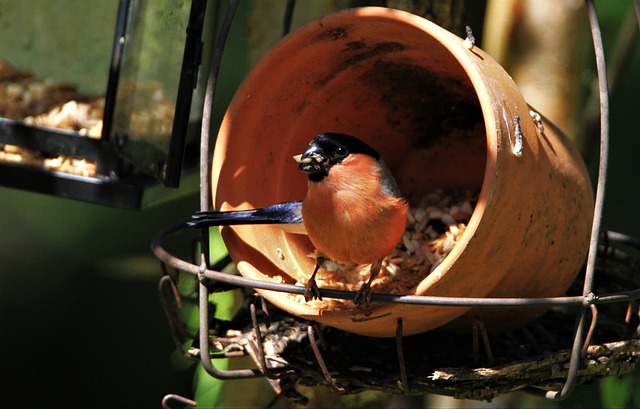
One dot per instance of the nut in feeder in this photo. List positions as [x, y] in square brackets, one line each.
[449, 122]
[120, 139]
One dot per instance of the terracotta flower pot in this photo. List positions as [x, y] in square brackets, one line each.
[442, 117]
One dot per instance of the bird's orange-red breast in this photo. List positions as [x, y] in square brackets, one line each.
[348, 215]
[354, 211]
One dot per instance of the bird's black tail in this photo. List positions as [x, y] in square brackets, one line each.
[281, 213]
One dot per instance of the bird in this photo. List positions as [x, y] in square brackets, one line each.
[353, 211]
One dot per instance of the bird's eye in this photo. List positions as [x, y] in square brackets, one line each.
[342, 151]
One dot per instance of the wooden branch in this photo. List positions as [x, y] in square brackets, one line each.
[546, 372]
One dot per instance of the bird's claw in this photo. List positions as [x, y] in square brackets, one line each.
[363, 296]
[311, 291]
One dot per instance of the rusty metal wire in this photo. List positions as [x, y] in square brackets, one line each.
[579, 300]
[603, 87]
[588, 301]
[404, 379]
[288, 17]
[176, 398]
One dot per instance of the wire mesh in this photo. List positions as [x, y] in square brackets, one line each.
[284, 377]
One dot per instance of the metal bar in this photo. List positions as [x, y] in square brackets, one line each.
[177, 398]
[604, 145]
[205, 205]
[182, 265]
[404, 378]
[260, 355]
[205, 357]
[320, 360]
[119, 41]
[480, 331]
[207, 110]
[592, 329]
[620, 238]
[574, 363]
[288, 16]
[170, 300]
[576, 351]
[191, 60]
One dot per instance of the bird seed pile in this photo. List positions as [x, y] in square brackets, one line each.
[434, 225]
[51, 104]
[47, 103]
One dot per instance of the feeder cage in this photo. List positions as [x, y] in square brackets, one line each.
[119, 134]
[454, 333]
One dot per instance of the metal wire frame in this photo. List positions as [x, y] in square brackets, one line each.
[205, 202]
[587, 301]
[603, 88]
[234, 280]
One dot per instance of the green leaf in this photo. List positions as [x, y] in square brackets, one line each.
[208, 388]
[616, 392]
[217, 248]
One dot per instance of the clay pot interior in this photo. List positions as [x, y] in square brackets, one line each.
[378, 75]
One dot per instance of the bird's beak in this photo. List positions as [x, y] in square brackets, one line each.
[311, 161]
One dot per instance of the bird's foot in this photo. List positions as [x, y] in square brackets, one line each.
[363, 296]
[311, 291]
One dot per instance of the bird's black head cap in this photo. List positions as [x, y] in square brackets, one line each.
[328, 149]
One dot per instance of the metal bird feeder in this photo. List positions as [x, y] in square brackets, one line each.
[124, 143]
[549, 355]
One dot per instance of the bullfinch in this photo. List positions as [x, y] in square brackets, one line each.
[353, 210]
